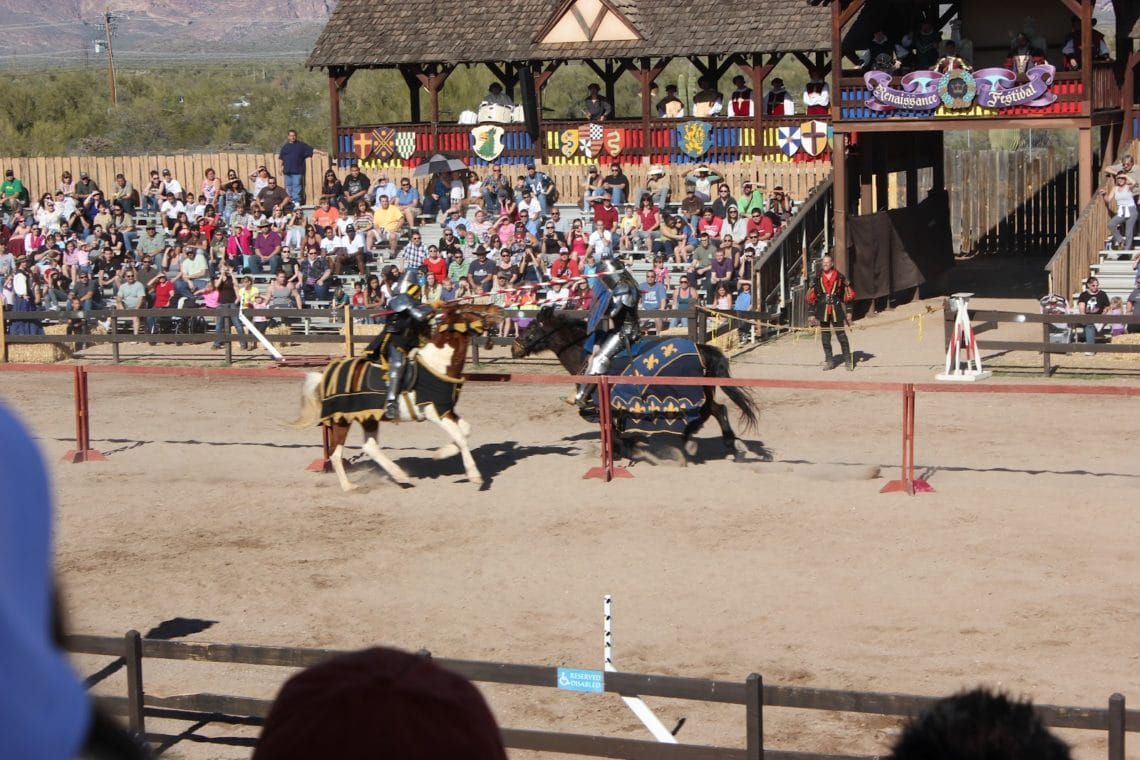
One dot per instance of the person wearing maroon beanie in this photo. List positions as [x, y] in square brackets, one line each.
[379, 703]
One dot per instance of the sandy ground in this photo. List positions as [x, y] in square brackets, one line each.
[1020, 571]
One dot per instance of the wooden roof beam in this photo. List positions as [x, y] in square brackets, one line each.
[1074, 6]
[848, 13]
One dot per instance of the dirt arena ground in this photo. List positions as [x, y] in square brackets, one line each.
[1021, 570]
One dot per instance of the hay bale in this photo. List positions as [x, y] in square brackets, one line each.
[1128, 339]
[41, 353]
[279, 329]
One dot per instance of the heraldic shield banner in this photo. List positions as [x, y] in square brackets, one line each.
[487, 141]
[694, 138]
[384, 143]
[595, 139]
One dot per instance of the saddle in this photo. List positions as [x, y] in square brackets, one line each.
[376, 375]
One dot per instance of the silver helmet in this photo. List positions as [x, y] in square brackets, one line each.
[409, 283]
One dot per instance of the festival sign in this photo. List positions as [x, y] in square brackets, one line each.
[487, 141]
[959, 90]
[694, 138]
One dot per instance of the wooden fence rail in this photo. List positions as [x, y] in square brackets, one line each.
[751, 693]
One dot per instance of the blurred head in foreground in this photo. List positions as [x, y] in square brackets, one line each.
[978, 725]
[379, 703]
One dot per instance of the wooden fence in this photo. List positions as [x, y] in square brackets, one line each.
[988, 321]
[41, 174]
[751, 693]
[1007, 202]
[308, 326]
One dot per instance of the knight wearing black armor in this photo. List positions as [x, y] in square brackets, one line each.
[400, 335]
[624, 296]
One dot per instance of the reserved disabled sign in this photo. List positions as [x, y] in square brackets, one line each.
[574, 679]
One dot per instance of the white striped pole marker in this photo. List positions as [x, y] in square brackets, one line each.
[639, 708]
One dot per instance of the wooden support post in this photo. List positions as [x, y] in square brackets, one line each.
[338, 79]
[349, 343]
[938, 162]
[1116, 727]
[757, 71]
[646, 74]
[867, 149]
[754, 716]
[114, 335]
[433, 83]
[1127, 96]
[882, 176]
[3, 337]
[1086, 59]
[132, 653]
[541, 77]
[414, 85]
[1085, 167]
[610, 80]
[839, 202]
[226, 327]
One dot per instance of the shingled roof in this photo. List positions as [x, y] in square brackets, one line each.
[381, 33]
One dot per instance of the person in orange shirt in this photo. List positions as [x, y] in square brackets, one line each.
[325, 215]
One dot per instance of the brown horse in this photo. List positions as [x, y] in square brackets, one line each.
[352, 390]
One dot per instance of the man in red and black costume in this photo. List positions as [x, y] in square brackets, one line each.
[828, 294]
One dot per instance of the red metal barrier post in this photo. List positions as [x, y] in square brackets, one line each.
[607, 471]
[907, 482]
[82, 451]
[323, 464]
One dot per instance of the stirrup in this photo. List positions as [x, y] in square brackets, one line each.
[392, 409]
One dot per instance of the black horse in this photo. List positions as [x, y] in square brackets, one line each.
[565, 336]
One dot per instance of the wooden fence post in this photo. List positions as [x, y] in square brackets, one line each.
[132, 653]
[754, 715]
[114, 338]
[349, 348]
[3, 338]
[1116, 727]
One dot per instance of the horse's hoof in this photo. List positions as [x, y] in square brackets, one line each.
[476, 480]
[739, 456]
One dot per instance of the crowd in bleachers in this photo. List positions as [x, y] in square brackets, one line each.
[246, 241]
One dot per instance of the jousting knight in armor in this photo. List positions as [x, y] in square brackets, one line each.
[618, 301]
[400, 335]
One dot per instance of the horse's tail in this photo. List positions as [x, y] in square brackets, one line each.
[310, 401]
[716, 365]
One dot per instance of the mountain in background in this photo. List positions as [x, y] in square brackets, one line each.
[64, 33]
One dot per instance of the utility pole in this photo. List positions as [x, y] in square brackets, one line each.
[107, 26]
[108, 29]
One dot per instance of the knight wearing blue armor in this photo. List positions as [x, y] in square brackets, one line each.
[619, 301]
[400, 335]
